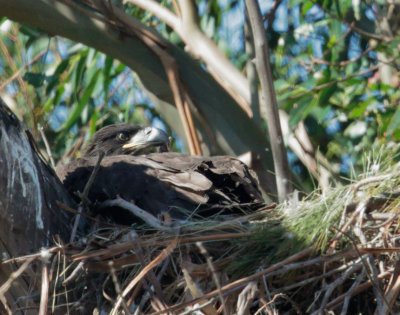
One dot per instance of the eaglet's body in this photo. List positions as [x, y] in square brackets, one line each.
[165, 182]
[160, 182]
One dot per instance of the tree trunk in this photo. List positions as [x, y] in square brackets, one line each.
[29, 216]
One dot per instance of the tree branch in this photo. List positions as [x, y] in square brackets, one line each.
[269, 101]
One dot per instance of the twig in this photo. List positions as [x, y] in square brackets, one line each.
[251, 70]
[369, 266]
[84, 195]
[246, 297]
[269, 102]
[54, 249]
[198, 308]
[46, 144]
[369, 180]
[44, 294]
[312, 279]
[349, 292]
[329, 289]
[74, 274]
[181, 105]
[117, 287]
[137, 211]
[150, 276]
[330, 83]
[205, 253]
[337, 301]
[159, 11]
[393, 288]
[6, 285]
[194, 287]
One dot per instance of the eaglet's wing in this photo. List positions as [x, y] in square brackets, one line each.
[166, 181]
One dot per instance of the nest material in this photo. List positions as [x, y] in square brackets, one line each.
[336, 253]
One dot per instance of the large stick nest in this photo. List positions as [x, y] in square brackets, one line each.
[334, 252]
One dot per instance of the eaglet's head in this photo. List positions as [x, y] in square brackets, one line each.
[123, 138]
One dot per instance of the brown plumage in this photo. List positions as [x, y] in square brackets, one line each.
[167, 182]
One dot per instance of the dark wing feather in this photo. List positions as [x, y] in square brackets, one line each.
[162, 182]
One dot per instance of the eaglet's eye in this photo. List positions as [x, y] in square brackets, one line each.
[122, 136]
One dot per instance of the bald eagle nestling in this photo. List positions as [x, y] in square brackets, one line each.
[160, 182]
[128, 139]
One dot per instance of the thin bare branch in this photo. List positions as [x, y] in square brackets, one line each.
[269, 102]
[159, 11]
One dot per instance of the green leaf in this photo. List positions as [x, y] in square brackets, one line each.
[34, 79]
[306, 6]
[360, 108]
[325, 94]
[76, 112]
[319, 112]
[394, 125]
[303, 108]
[80, 69]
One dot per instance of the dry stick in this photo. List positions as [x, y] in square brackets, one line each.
[368, 264]
[137, 211]
[370, 180]
[195, 289]
[272, 308]
[233, 286]
[204, 252]
[84, 195]
[151, 276]
[183, 108]
[160, 258]
[353, 287]
[47, 146]
[269, 101]
[197, 308]
[117, 286]
[6, 285]
[116, 249]
[246, 298]
[44, 294]
[337, 302]
[54, 249]
[393, 288]
[346, 225]
[329, 288]
[322, 86]
[251, 71]
[74, 274]
[71, 152]
[53, 304]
